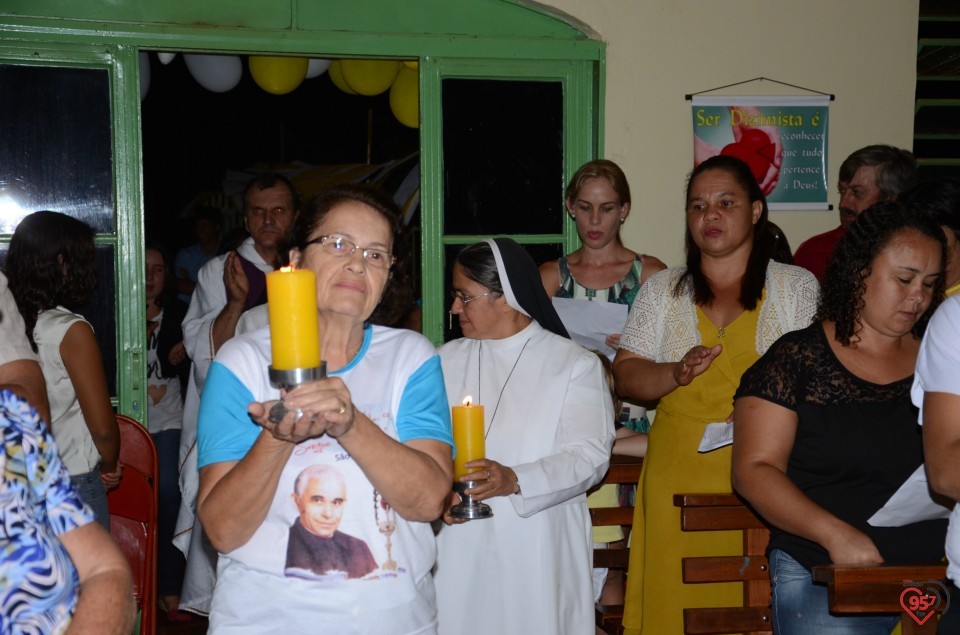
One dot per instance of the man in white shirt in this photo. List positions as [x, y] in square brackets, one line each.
[936, 392]
[227, 286]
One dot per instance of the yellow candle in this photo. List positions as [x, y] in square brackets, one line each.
[294, 332]
[467, 436]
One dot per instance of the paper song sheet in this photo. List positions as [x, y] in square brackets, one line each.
[589, 323]
[716, 435]
[910, 504]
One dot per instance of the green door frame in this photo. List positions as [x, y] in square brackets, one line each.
[490, 39]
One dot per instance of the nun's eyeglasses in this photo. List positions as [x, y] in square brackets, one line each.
[456, 295]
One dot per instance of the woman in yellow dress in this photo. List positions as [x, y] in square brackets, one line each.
[691, 333]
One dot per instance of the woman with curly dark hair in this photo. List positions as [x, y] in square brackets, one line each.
[345, 485]
[825, 430]
[51, 266]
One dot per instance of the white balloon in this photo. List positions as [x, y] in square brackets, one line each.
[144, 74]
[217, 73]
[166, 58]
[317, 67]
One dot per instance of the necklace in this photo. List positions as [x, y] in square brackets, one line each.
[721, 332]
[387, 525]
[502, 388]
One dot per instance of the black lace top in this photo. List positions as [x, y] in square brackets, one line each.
[856, 443]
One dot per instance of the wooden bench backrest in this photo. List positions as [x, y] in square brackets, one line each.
[852, 589]
[724, 512]
[623, 471]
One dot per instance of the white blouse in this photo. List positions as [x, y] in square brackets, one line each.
[663, 326]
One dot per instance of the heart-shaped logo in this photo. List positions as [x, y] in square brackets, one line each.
[918, 604]
[754, 149]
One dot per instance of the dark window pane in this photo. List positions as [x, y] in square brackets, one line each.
[502, 157]
[99, 310]
[55, 145]
[543, 253]
[451, 325]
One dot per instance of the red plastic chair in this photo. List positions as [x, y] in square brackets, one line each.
[133, 516]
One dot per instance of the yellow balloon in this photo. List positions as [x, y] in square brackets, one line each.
[369, 77]
[405, 98]
[278, 75]
[336, 76]
[411, 64]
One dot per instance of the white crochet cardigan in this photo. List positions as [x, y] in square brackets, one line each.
[663, 327]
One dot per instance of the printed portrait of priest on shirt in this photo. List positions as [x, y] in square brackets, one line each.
[316, 546]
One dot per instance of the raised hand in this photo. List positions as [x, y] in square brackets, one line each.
[235, 279]
[695, 362]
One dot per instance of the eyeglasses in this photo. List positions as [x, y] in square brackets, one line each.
[456, 295]
[343, 248]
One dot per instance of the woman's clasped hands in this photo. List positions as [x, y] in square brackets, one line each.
[313, 409]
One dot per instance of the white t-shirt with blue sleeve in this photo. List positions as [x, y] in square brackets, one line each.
[395, 380]
[938, 370]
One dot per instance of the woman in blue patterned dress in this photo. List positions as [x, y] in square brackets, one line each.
[59, 569]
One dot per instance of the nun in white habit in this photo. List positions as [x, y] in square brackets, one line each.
[548, 428]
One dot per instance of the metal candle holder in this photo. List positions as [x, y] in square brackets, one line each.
[288, 380]
[469, 509]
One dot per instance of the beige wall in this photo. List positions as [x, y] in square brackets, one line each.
[863, 51]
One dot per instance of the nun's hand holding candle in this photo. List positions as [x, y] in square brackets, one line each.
[548, 430]
[350, 477]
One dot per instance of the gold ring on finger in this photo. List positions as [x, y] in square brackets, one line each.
[343, 408]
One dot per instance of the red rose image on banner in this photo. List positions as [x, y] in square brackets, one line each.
[754, 149]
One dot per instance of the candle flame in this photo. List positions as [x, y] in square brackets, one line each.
[287, 269]
[467, 400]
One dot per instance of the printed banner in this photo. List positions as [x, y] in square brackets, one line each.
[782, 139]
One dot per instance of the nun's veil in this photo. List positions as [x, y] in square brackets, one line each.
[522, 285]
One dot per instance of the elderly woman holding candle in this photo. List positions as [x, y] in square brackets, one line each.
[548, 430]
[379, 422]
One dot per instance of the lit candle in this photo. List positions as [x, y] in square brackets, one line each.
[467, 436]
[294, 332]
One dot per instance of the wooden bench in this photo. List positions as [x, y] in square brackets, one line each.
[852, 589]
[624, 470]
[722, 512]
[877, 589]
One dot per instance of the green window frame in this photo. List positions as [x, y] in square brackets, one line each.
[126, 239]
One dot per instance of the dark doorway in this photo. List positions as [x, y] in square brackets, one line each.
[192, 136]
